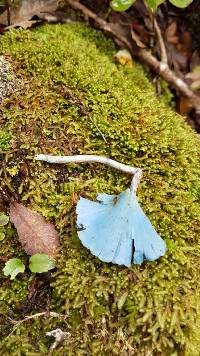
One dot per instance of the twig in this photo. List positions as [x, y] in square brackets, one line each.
[74, 100]
[137, 172]
[170, 77]
[87, 158]
[163, 52]
[17, 323]
[145, 56]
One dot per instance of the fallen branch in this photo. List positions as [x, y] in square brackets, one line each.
[142, 54]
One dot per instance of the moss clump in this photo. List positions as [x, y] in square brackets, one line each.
[110, 309]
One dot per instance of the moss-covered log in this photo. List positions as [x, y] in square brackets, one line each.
[110, 310]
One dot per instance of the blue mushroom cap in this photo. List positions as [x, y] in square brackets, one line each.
[115, 229]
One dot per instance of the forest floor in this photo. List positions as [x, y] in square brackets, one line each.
[55, 95]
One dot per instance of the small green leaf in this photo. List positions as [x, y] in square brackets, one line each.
[153, 4]
[41, 262]
[4, 219]
[181, 3]
[121, 5]
[13, 267]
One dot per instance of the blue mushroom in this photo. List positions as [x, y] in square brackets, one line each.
[115, 229]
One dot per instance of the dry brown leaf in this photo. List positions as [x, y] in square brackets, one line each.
[184, 106]
[170, 34]
[186, 43]
[171, 30]
[141, 32]
[177, 59]
[35, 233]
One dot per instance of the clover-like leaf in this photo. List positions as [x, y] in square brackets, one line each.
[4, 219]
[121, 5]
[181, 3]
[13, 267]
[41, 262]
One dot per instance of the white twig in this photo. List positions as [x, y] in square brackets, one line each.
[87, 158]
[98, 159]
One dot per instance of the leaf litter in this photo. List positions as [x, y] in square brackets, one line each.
[35, 233]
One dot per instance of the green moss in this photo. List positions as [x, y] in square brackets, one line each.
[4, 141]
[14, 291]
[166, 94]
[110, 309]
